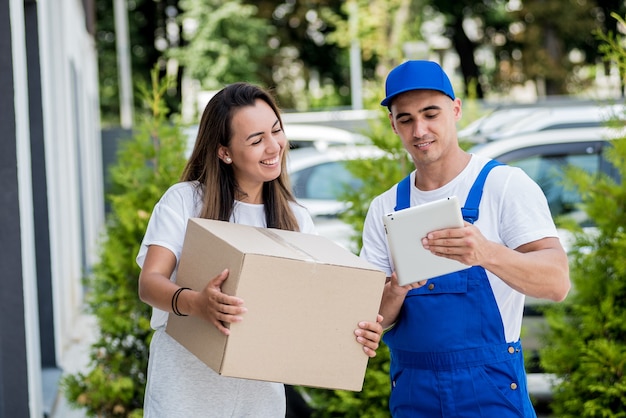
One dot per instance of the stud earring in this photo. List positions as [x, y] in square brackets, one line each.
[228, 160]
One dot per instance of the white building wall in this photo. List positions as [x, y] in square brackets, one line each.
[27, 228]
[73, 157]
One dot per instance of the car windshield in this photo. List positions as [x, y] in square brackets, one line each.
[326, 181]
[548, 172]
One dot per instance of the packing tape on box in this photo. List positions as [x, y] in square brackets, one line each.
[307, 256]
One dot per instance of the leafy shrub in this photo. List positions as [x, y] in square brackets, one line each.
[586, 341]
[147, 164]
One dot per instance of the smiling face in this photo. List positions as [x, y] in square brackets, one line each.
[256, 148]
[425, 121]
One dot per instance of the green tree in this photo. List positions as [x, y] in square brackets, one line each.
[546, 42]
[586, 341]
[147, 165]
[612, 48]
[490, 20]
[303, 52]
[527, 41]
[383, 30]
[293, 46]
[225, 43]
[150, 32]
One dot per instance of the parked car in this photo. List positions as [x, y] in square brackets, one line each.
[565, 117]
[319, 177]
[542, 155]
[356, 120]
[478, 130]
[510, 121]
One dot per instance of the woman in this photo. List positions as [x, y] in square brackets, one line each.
[236, 173]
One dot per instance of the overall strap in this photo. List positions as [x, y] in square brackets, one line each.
[470, 210]
[403, 193]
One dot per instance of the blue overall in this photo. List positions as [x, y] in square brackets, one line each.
[449, 356]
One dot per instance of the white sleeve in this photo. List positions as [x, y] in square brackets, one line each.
[305, 222]
[375, 249]
[166, 227]
[525, 215]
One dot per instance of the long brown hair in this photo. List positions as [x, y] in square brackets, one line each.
[216, 179]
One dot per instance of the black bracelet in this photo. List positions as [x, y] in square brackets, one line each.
[175, 301]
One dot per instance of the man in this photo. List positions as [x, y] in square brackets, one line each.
[455, 339]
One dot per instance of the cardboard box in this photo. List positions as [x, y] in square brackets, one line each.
[305, 296]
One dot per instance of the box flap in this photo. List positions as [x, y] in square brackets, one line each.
[320, 248]
[281, 243]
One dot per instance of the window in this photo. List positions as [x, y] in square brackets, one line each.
[326, 181]
[546, 166]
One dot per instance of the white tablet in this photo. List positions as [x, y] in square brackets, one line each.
[405, 230]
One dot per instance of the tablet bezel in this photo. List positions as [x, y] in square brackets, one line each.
[406, 228]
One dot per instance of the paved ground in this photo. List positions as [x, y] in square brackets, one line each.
[75, 359]
[63, 410]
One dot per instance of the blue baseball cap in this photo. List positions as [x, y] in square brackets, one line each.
[416, 75]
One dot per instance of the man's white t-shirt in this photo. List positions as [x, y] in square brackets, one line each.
[182, 201]
[513, 211]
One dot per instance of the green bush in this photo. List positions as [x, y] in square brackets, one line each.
[372, 401]
[586, 344]
[586, 341]
[147, 164]
[377, 175]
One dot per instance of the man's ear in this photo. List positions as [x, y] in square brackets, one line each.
[458, 109]
[393, 125]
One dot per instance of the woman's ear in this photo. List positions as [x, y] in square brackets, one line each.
[222, 154]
